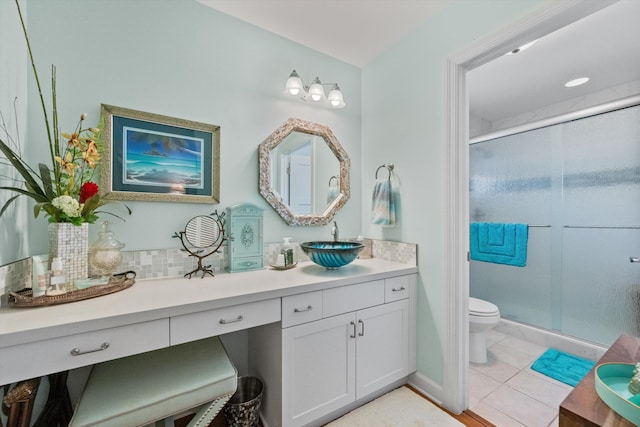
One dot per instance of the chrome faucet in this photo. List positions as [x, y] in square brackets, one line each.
[335, 231]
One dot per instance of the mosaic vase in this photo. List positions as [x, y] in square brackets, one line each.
[70, 243]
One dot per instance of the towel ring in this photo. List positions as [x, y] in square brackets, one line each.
[388, 166]
[332, 178]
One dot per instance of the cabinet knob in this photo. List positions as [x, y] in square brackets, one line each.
[400, 289]
[302, 310]
[361, 333]
[353, 324]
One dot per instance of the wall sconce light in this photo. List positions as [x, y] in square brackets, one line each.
[315, 92]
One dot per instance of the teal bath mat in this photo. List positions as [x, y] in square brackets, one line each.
[561, 366]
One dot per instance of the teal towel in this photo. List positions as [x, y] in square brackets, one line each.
[500, 243]
[564, 367]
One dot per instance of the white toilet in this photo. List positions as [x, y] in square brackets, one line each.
[483, 316]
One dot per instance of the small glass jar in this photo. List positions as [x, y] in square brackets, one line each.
[105, 254]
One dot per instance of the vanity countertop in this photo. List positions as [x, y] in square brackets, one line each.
[153, 299]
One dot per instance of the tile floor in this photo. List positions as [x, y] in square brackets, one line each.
[506, 392]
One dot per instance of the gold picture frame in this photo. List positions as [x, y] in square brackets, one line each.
[156, 158]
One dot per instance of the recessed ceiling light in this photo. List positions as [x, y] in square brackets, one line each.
[521, 48]
[577, 82]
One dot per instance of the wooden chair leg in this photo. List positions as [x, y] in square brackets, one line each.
[19, 402]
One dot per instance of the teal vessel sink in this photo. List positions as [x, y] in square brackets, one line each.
[330, 254]
[612, 381]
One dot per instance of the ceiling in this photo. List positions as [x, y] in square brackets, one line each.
[599, 46]
[353, 31]
[603, 46]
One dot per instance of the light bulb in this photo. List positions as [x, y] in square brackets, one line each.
[316, 91]
[335, 97]
[294, 83]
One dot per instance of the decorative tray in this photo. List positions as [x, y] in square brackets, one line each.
[612, 381]
[117, 282]
[283, 267]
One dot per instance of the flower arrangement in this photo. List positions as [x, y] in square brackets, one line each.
[65, 192]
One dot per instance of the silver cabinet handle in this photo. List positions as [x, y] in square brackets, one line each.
[361, 328]
[302, 310]
[634, 259]
[77, 352]
[400, 289]
[352, 323]
[237, 319]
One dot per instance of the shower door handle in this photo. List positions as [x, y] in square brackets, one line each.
[634, 259]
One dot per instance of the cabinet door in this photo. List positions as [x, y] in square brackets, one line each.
[383, 346]
[318, 368]
[247, 237]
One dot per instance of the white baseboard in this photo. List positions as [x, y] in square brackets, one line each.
[426, 386]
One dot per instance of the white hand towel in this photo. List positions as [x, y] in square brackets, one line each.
[383, 208]
[332, 193]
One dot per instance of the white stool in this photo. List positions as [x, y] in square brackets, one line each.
[145, 388]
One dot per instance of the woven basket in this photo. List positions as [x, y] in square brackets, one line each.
[117, 282]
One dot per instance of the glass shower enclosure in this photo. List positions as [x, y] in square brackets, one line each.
[577, 185]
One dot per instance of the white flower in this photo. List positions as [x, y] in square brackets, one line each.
[68, 205]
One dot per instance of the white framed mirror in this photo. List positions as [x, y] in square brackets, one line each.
[304, 172]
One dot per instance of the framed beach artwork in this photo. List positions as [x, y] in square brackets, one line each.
[150, 157]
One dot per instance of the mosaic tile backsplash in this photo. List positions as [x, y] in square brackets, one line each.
[16, 275]
[167, 263]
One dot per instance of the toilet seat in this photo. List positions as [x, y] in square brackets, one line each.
[482, 308]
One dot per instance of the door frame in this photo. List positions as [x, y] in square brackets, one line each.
[549, 17]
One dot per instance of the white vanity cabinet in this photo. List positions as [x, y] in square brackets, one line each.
[322, 341]
[362, 343]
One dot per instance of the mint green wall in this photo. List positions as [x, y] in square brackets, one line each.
[402, 123]
[182, 59]
[13, 111]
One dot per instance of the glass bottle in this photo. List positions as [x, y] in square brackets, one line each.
[287, 251]
[105, 253]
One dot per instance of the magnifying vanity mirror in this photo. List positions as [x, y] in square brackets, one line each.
[202, 231]
[304, 172]
[202, 236]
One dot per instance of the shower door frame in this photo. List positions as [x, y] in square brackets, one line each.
[556, 318]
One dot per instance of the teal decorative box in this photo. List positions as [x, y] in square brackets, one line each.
[245, 244]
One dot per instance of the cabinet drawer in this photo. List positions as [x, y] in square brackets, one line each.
[195, 326]
[396, 288]
[351, 298]
[301, 308]
[59, 354]
[246, 264]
